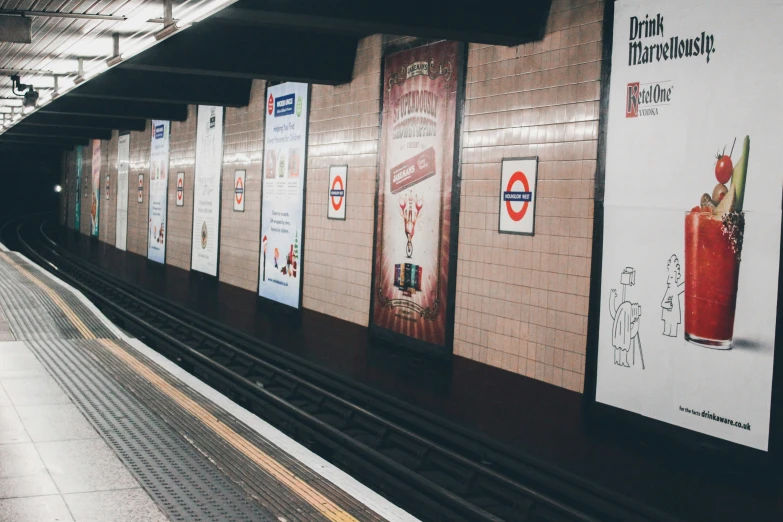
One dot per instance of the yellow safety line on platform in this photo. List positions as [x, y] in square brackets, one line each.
[69, 313]
[269, 464]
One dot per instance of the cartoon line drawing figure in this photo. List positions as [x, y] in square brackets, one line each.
[410, 209]
[625, 328]
[671, 310]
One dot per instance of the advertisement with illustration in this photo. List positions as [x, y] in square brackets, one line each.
[77, 218]
[206, 189]
[413, 236]
[692, 218]
[123, 163]
[95, 207]
[159, 190]
[282, 206]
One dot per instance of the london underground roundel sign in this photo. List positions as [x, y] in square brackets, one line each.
[338, 176]
[518, 196]
[239, 190]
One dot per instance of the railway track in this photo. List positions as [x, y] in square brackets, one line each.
[433, 468]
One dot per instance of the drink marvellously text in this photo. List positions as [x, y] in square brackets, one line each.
[672, 49]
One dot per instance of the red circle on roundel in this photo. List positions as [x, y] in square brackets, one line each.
[270, 104]
[337, 204]
[179, 192]
[239, 195]
[513, 214]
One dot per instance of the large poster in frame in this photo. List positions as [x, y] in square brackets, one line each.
[123, 159]
[206, 190]
[692, 218]
[159, 191]
[95, 208]
[282, 206]
[413, 237]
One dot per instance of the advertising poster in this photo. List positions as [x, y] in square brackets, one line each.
[95, 207]
[283, 195]
[692, 219]
[517, 212]
[78, 206]
[180, 189]
[159, 190]
[206, 189]
[239, 191]
[123, 159]
[338, 181]
[417, 171]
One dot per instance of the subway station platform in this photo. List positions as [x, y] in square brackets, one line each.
[96, 426]
[526, 419]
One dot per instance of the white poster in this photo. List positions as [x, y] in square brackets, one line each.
[517, 212]
[159, 189]
[338, 180]
[206, 189]
[239, 191]
[123, 158]
[692, 218]
[282, 205]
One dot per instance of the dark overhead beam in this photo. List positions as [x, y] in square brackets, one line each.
[498, 22]
[126, 109]
[210, 49]
[123, 85]
[66, 132]
[74, 120]
[4, 138]
[16, 146]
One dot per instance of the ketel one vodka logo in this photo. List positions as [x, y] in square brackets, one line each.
[645, 99]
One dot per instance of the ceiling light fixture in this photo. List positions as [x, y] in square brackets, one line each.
[30, 97]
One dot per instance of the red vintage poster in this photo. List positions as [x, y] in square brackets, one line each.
[413, 236]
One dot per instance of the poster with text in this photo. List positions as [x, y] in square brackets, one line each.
[159, 189]
[282, 206]
[692, 218]
[95, 207]
[206, 189]
[123, 159]
[77, 218]
[417, 170]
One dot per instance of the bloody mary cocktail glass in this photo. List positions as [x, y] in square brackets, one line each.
[712, 264]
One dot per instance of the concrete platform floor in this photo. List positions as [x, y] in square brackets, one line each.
[54, 467]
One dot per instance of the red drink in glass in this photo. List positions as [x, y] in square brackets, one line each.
[711, 275]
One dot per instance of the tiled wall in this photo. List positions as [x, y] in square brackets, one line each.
[344, 130]
[138, 213]
[522, 301]
[243, 149]
[182, 158]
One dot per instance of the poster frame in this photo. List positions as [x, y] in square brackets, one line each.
[535, 194]
[198, 273]
[345, 196]
[604, 419]
[384, 334]
[262, 301]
